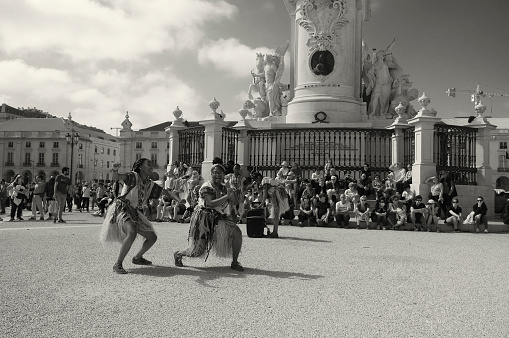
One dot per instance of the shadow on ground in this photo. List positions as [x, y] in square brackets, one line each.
[206, 274]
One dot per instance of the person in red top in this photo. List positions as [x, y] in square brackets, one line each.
[62, 184]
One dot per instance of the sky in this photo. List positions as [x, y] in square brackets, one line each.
[100, 58]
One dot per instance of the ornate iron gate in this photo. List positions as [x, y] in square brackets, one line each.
[347, 149]
[192, 147]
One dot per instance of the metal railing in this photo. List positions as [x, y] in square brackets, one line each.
[192, 146]
[409, 146]
[347, 149]
[454, 151]
[229, 145]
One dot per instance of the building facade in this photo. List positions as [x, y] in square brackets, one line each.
[42, 144]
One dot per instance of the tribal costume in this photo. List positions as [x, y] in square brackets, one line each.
[211, 228]
[128, 207]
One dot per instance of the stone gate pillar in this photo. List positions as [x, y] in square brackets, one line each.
[423, 167]
[482, 151]
[173, 131]
[213, 138]
[397, 141]
[244, 144]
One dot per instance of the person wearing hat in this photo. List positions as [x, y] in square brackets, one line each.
[283, 172]
[433, 209]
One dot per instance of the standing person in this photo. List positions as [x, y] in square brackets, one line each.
[211, 224]
[454, 215]
[50, 198]
[436, 190]
[505, 210]
[18, 194]
[480, 214]
[3, 196]
[39, 194]
[93, 196]
[449, 192]
[235, 181]
[85, 197]
[399, 175]
[125, 218]
[62, 184]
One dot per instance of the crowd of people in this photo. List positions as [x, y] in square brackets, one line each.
[47, 200]
[214, 208]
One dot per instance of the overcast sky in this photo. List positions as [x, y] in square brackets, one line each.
[100, 58]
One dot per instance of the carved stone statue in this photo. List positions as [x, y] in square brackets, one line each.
[266, 92]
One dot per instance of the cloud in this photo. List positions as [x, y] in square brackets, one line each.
[118, 30]
[230, 56]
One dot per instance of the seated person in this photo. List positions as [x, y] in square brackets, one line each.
[343, 211]
[408, 196]
[480, 214]
[320, 187]
[396, 213]
[323, 211]
[347, 179]
[378, 186]
[163, 208]
[309, 192]
[433, 209]
[333, 184]
[390, 185]
[193, 201]
[379, 214]
[454, 215]
[362, 213]
[418, 213]
[364, 185]
[352, 194]
[179, 208]
[306, 215]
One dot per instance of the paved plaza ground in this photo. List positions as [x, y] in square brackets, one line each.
[57, 281]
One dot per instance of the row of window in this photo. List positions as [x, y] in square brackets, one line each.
[153, 145]
[41, 159]
[153, 158]
[56, 145]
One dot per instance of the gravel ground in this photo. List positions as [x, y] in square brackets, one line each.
[57, 281]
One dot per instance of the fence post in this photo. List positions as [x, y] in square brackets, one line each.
[397, 141]
[482, 150]
[423, 167]
[213, 137]
[244, 143]
[173, 131]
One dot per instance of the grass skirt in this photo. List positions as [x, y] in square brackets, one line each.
[119, 213]
[210, 230]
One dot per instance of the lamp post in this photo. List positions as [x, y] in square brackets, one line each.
[72, 139]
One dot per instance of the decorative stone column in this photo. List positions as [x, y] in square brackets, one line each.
[243, 142]
[399, 125]
[213, 138]
[423, 167]
[173, 130]
[482, 150]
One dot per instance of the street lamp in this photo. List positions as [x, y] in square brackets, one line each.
[72, 139]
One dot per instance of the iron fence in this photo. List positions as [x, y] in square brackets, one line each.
[229, 145]
[408, 146]
[192, 146]
[454, 151]
[347, 149]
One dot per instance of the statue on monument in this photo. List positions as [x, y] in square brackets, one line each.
[266, 84]
[385, 84]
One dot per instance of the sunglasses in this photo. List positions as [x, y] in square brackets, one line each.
[479, 200]
[454, 201]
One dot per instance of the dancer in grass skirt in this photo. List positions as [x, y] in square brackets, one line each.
[213, 225]
[125, 219]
